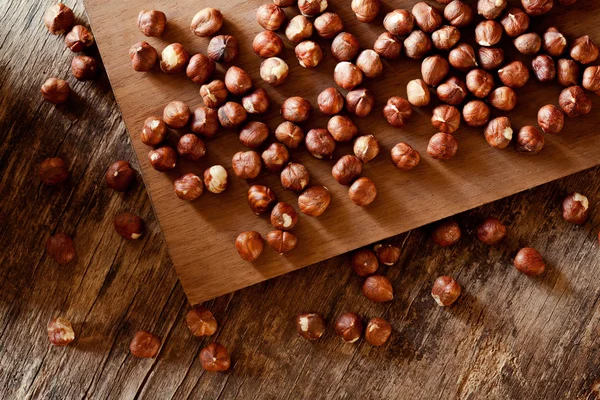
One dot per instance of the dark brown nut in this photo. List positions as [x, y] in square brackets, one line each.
[567, 72]
[446, 118]
[529, 140]
[405, 157]
[554, 42]
[417, 45]
[129, 226]
[574, 102]
[205, 122]
[299, 28]
[152, 22]
[295, 109]
[426, 17]
[388, 46]
[378, 289]
[584, 50]
[174, 59]
[544, 68]
[312, 8]
[55, 91]
[314, 201]
[59, 19]
[347, 75]
[378, 331]
[191, 147]
[434, 69]
[529, 262]
[215, 358]
[575, 209]
[514, 75]
[237, 81]
[528, 43]
[488, 33]
[308, 53]
[458, 13]
[328, 25]
[341, 128]
[362, 192]
[591, 78]
[360, 102]
[480, 83]
[275, 157]
[446, 37]
[256, 102]
[163, 159]
[249, 245]
[177, 114]
[462, 57]
[490, 9]
[347, 169]
[143, 57]
[270, 17]
[445, 291]
[281, 241]
[503, 98]
[491, 231]
[200, 69]
[330, 101]
[476, 113]
[344, 47]
[188, 187]
[289, 134]
[366, 148]
[61, 248]
[310, 326]
[446, 233]
[442, 146]
[267, 44]
[490, 58]
[261, 199]
[515, 22]
[79, 38]
[283, 216]
[537, 7]
[83, 68]
[320, 143]
[417, 93]
[231, 114]
[397, 111]
[201, 322]
[364, 262]
[366, 10]
[498, 133]
[387, 254]
[215, 179]
[349, 326]
[214, 93]
[120, 176]
[369, 63]
[207, 22]
[295, 176]
[60, 331]
[254, 134]
[551, 119]
[222, 48]
[246, 164]
[452, 92]
[399, 22]
[154, 131]
[144, 345]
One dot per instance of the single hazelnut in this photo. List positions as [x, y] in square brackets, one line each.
[267, 44]
[480, 83]
[397, 111]
[591, 78]
[362, 192]
[260, 199]
[446, 233]
[312, 8]
[237, 81]
[551, 119]
[387, 254]
[310, 326]
[347, 75]
[298, 29]
[529, 262]
[163, 158]
[434, 69]
[442, 146]
[364, 262]
[503, 98]
[446, 37]
[214, 93]
[341, 128]
[476, 113]
[330, 101]
[369, 63]
[174, 59]
[388, 46]
[201, 322]
[458, 13]
[584, 50]
[574, 102]
[446, 118]
[365, 10]
[515, 22]
[55, 91]
[426, 17]
[177, 114]
[231, 114]
[120, 176]
[154, 131]
[254, 134]
[205, 122]
[188, 187]
[544, 68]
[344, 47]
[60, 331]
[490, 58]
[246, 164]
[215, 358]
[61, 248]
[283, 216]
[59, 19]
[290, 134]
[554, 42]
[249, 245]
[453, 91]
[417, 45]
[270, 17]
[295, 109]
[349, 326]
[314, 201]
[488, 33]
[295, 176]
[152, 22]
[514, 75]
[281, 241]
[366, 148]
[144, 345]
[528, 43]
[498, 133]
[491, 231]
[529, 140]
[462, 57]
[347, 169]
[275, 157]
[83, 68]
[215, 179]
[129, 226]
[567, 72]
[378, 289]
[53, 171]
[537, 7]
[360, 102]
[405, 157]
[320, 143]
[328, 25]
[143, 57]
[378, 331]
[308, 53]
[200, 68]
[222, 48]
[445, 291]
[207, 22]
[490, 9]
[79, 38]
[256, 102]
[399, 22]
[575, 209]
[417, 93]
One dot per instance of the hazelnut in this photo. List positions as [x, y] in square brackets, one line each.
[369, 63]
[129, 226]
[397, 111]
[295, 109]
[330, 101]
[120, 176]
[445, 291]
[426, 17]
[282, 241]
[254, 134]
[215, 358]
[231, 114]
[567, 72]
[458, 13]
[61, 248]
[388, 46]
[488, 33]
[237, 81]
[544, 68]
[200, 68]
[529, 140]
[344, 47]
[362, 192]
[480, 83]
[310, 325]
[399, 22]
[476, 113]
[144, 345]
[205, 122]
[308, 53]
[328, 25]
[83, 68]
[143, 57]
[491, 231]
[289, 134]
[215, 179]
[201, 322]
[174, 59]
[417, 45]
[417, 93]
[249, 245]
[434, 69]
[341, 128]
[246, 164]
[446, 233]
[405, 157]
[188, 187]
[60, 331]
[591, 78]
[366, 148]
[490, 9]
[498, 133]
[462, 57]
[320, 143]
[214, 93]
[529, 262]
[55, 91]
[283, 216]
[551, 119]
[312, 8]
[446, 37]
[349, 326]
[446, 118]
[554, 42]
[79, 38]
[453, 91]
[256, 102]
[366, 10]
[347, 75]
[347, 169]
[295, 176]
[299, 28]
[378, 289]
[387, 254]
[364, 262]
[59, 19]
[514, 75]
[53, 171]
[378, 331]
[154, 131]
[261, 199]
[575, 209]
[584, 50]
[515, 22]
[267, 44]
[152, 22]
[270, 17]
[314, 201]
[442, 146]
[275, 157]
[528, 43]
[574, 102]
[537, 7]
[207, 22]
[490, 58]
[222, 48]
[360, 102]
[177, 114]
[503, 98]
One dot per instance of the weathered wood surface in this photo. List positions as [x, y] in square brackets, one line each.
[508, 337]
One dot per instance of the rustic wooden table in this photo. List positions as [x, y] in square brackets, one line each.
[508, 336]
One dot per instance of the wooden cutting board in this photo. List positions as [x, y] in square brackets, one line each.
[201, 235]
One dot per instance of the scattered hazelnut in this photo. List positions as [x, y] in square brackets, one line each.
[462, 57]
[346, 169]
[320, 143]
[551, 119]
[79, 38]
[129, 226]
[341, 128]
[344, 47]
[491, 231]
[591, 78]
[503, 98]
[366, 148]
[378, 289]
[362, 192]
[490, 58]
[366, 10]
[152, 22]
[397, 111]
[295, 176]
[387, 254]
[529, 262]
[144, 345]
[498, 133]
[189, 187]
[59, 19]
[364, 262]
[528, 43]
[205, 122]
[267, 44]
[446, 37]
[256, 102]
[544, 68]
[249, 245]
[290, 134]
[222, 48]
[55, 91]
[575, 209]
[120, 176]
[514, 75]
[584, 50]
[246, 164]
[310, 325]
[61, 248]
[308, 53]
[215, 179]
[143, 57]
[174, 59]
[488, 33]
[282, 241]
[207, 22]
[476, 113]
[200, 68]
[214, 93]
[417, 93]
[360, 102]
[163, 159]
[442, 146]
[458, 13]
[254, 134]
[330, 101]
[426, 17]
[215, 358]
[554, 42]
[446, 118]
[231, 114]
[399, 22]
[83, 68]
[347, 75]
[417, 45]
[567, 72]
[270, 17]
[275, 157]
[283, 216]
[434, 69]
[314, 201]
[369, 63]
[237, 81]
[515, 22]
[53, 171]
[349, 326]
[177, 114]
[201, 322]
[312, 8]
[295, 109]
[388, 46]
[574, 102]
[452, 92]
[154, 131]
[60, 331]
[261, 199]
[446, 233]
[328, 25]
[490, 9]
[445, 291]
[378, 331]
[480, 83]
[529, 140]
[405, 157]
[299, 28]
[537, 7]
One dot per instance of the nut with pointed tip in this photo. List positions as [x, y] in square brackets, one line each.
[59, 19]
[144, 345]
[584, 50]
[397, 111]
[491, 231]
[399, 22]
[346, 169]
[574, 102]
[308, 53]
[405, 157]
[514, 75]
[591, 78]
[537, 7]
[188, 187]
[378, 331]
[283, 216]
[458, 13]
[222, 48]
[490, 58]
[434, 69]
[61, 248]
[503, 98]
[388, 46]
[310, 325]
[200, 68]
[177, 114]
[491, 9]
[163, 158]
[417, 45]
[296, 109]
[154, 131]
[295, 176]
[174, 59]
[453, 91]
[498, 133]
[249, 245]
[205, 122]
[344, 47]
[84, 68]
[544, 68]
[298, 29]
[282, 241]
[360, 102]
[290, 134]
[129, 226]
[319, 143]
[446, 37]
[528, 43]
[369, 63]
[120, 176]
[362, 192]
[366, 148]
[215, 358]
[312, 8]
[551, 119]
[275, 157]
[446, 233]
[260, 199]
[442, 146]
[231, 114]
[529, 140]
[445, 291]
[53, 171]
[387, 254]
[462, 57]
[206, 22]
[364, 262]
[349, 326]
[554, 42]
[341, 128]
[55, 91]
[79, 38]
[328, 25]
[365, 10]
[256, 102]
[476, 113]
[254, 134]
[267, 44]
[378, 289]
[201, 322]
[347, 75]
[60, 331]
[274, 70]
[418, 93]
[314, 201]
[330, 101]
[446, 118]
[488, 33]
[237, 81]
[214, 93]
[215, 179]
[575, 209]
[426, 17]
[515, 22]
[246, 164]
[143, 57]
[529, 262]
[152, 22]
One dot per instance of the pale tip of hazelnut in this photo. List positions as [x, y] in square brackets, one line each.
[582, 199]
